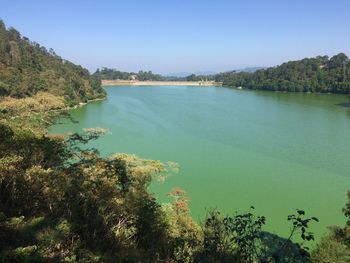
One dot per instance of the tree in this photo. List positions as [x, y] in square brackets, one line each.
[319, 74]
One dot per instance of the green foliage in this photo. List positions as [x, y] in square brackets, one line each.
[335, 247]
[302, 224]
[184, 232]
[319, 74]
[33, 113]
[246, 232]
[346, 211]
[240, 238]
[330, 250]
[113, 74]
[194, 77]
[217, 240]
[62, 202]
[233, 238]
[27, 68]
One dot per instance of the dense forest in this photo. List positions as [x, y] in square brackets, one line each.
[319, 74]
[60, 201]
[27, 68]
[113, 74]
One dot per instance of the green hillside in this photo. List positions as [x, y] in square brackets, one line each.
[319, 74]
[27, 68]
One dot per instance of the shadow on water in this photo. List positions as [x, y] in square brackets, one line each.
[64, 117]
[290, 252]
[345, 104]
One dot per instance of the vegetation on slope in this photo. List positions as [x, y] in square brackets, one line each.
[34, 113]
[319, 74]
[62, 203]
[27, 68]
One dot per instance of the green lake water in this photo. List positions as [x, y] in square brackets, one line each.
[276, 151]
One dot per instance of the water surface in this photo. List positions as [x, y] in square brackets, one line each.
[235, 149]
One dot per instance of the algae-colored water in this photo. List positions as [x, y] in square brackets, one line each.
[235, 149]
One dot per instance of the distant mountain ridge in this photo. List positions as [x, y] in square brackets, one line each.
[249, 69]
[185, 74]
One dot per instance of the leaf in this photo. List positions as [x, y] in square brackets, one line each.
[300, 212]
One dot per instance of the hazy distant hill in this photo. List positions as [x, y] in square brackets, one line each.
[185, 74]
[249, 69]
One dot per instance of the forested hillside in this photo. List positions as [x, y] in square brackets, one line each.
[27, 68]
[319, 74]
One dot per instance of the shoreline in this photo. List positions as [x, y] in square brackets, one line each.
[118, 82]
[81, 104]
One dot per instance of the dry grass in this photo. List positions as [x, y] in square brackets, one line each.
[32, 113]
[42, 101]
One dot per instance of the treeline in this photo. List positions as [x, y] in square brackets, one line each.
[113, 74]
[194, 77]
[319, 74]
[27, 68]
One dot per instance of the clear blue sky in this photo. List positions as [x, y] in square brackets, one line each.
[183, 35]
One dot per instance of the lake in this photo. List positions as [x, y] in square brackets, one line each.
[235, 148]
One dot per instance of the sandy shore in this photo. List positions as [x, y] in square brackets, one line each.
[158, 83]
